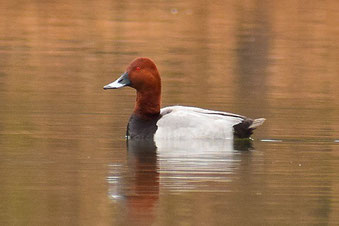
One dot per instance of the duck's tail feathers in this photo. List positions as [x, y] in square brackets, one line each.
[257, 122]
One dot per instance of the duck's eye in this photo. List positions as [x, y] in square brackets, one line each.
[137, 68]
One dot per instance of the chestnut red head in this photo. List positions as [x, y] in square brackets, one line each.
[142, 75]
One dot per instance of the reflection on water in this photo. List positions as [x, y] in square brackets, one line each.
[182, 165]
[137, 184]
[175, 167]
[62, 138]
[201, 165]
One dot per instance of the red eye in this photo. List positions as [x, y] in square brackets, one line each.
[137, 68]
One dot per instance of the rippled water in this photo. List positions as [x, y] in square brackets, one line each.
[65, 161]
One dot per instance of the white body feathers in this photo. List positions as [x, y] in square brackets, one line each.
[178, 122]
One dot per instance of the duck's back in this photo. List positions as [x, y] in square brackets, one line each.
[180, 122]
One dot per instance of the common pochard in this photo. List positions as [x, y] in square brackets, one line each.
[149, 121]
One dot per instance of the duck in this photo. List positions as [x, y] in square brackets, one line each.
[150, 121]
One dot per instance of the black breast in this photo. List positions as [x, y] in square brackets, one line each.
[142, 128]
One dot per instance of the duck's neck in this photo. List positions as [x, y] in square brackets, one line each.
[148, 103]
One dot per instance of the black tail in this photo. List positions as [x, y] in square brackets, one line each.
[246, 127]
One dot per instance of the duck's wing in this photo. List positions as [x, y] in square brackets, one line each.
[191, 122]
[171, 109]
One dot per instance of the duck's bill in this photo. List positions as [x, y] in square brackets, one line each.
[120, 82]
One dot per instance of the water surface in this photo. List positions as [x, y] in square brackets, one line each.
[64, 158]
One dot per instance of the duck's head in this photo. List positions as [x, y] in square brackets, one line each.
[141, 74]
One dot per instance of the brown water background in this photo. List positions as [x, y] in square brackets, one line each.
[63, 154]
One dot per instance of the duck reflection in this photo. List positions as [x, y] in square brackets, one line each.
[142, 159]
[142, 193]
[199, 165]
[181, 165]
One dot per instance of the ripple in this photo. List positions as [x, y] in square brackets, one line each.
[271, 140]
[301, 140]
